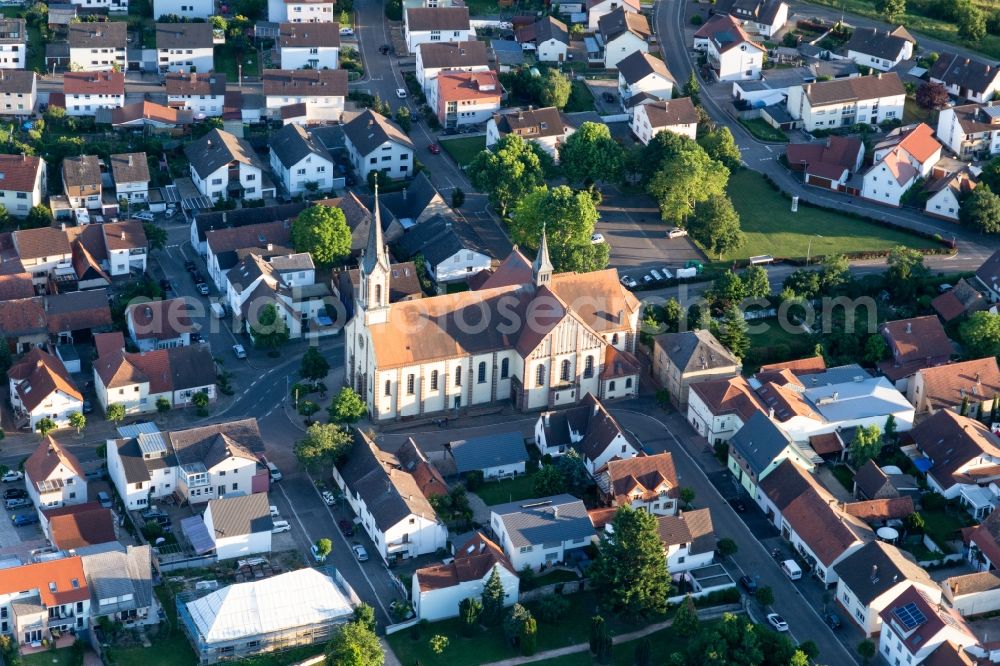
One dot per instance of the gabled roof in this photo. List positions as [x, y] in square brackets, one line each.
[183, 36]
[81, 171]
[47, 457]
[230, 239]
[16, 286]
[38, 374]
[947, 385]
[429, 479]
[420, 19]
[217, 149]
[927, 620]
[495, 450]
[877, 43]
[827, 531]
[981, 581]
[79, 525]
[212, 444]
[240, 516]
[18, 173]
[469, 87]
[858, 88]
[437, 55]
[437, 240]
[309, 35]
[77, 310]
[161, 319]
[695, 351]
[693, 528]
[960, 300]
[917, 140]
[94, 83]
[57, 582]
[642, 474]
[729, 396]
[965, 72]
[589, 428]
[951, 441]
[671, 112]
[151, 111]
[549, 27]
[638, 65]
[544, 520]
[896, 508]
[214, 221]
[989, 272]
[181, 84]
[41, 242]
[916, 339]
[24, 316]
[13, 81]
[619, 21]
[369, 130]
[786, 483]
[759, 442]
[873, 483]
[305, 82]
[531, 123]
[130, 168]
[119, 573]
[986, 536]
[473, 561]
[292, 144]
[104, 34]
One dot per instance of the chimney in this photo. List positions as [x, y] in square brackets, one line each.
[879, 76]
[123, 235]
[909, 327]
[482, 546]
[130, 159]
[545, 418]
[223, 217]
[62, 226]
[270, 247]
[874, 571]
[770, 413]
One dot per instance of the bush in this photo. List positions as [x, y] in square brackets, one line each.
[551, 608]
[474, 480]
[933, 501]
[531, 465]
[696, 19]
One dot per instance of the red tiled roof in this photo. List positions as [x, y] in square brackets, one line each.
[58, 582]
[947, 385]
[473, 561]
[19, 172]
[39, 374]
[47, 457]
[84, 525]
[881, 509]
[94, 83]
[799, 366]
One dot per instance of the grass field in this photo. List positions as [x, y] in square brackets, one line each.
[507, 490]
[63, 657]
[580, 98]
[465, 149]
[761, 130]
[225, 61]
[946, 32]
[771, 228]
[914, 113]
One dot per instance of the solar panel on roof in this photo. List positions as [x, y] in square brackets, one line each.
[909, 616]
[991, 111]
[150, 443]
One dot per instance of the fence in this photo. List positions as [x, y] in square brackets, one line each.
[186, 563]
[393, 628]
[567, 587]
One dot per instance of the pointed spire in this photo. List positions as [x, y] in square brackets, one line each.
[374, 253]
[541, 269]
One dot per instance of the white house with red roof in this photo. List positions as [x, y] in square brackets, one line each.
[36, 599]
[718, 408]
[437, 590]
[731, 52]
[23, 183]
[86, 92]
[54, 477]
[913, 627]
[642, 482]
[899, 161]
[466, 98]
[41, 387]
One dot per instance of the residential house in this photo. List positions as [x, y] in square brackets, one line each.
[673, 115]
[438, 589]
[186, 9]
[125, 246]
[551, 38]
[622, 33]
[301, 11]
[23, 324]
[42, 600]
[224, 166]
[139, 381]
[394, 512]
[267, 239]
[872, 483]
[102, 7]
[201, 93]
[829, 164]
[76, 315]
[185, 47]
[321, 91]
[435, 58]
[913, 628]
[961, 459]
[81, 178]
[589, 429]
[159, 324]
[762, 17]
[914, 344]
[947, 190]
[541, 532]
[301, 163]
[239, 525]
[76, 526]
[428, 478]
[846, 102]
[448, 256]
[13, 43]
[375, 143]
[121, 584]
[97, 46]
[988, 277]
[967, 387]
[971, 131]
[150, 116]
[41, 388]
[497, 456]
[140, 465]
[546, 127]
[718, 408]
[732, 54]
[466, 98]
[758, 448]
[414, 205]
[900, 161]
[18, 92]
[597, 9]
[983, 543]
[422, 25]
[88, 91]
[966, 77]
[689, 540]
[309, 45]
[23, 184]
[130, 173]
[689, 357]
[53, 476]
[880, 49]
[648, 483]
[973, 594]
[219, 460]
[871, 577]
[643, 78]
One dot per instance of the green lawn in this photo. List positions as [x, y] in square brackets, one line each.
[943, 525]
[507, 490]
[36, 50]
[947, 32]
[771, 343]
[664, 643]
[844, 475]
[771, 228]
[914, 113]
[225, 61]
[551, 577]
[465, 149]
[173, 649]
[580, 98]
[761, 130]
[63, 657]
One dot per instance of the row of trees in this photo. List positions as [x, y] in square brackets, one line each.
[972, 22]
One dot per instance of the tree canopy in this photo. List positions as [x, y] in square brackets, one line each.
[716, 225]
[590, 155]
[348, 406]
[686, 179]
[981, 335]
[568, 219]
[981, 210]
[354, 644]
[270, 330]
[629, 572]
[322, 231]
[323, 445]
[721, 146]
[314, 365]
[932, 95]
[509, 171]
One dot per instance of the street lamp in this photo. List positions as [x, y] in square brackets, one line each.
[809, 248]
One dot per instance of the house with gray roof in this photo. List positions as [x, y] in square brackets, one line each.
[239, 526]
[496, 455]
[682, 359]
[301, 162]
[880, 49]
[449, 256]
[589, 429]
[759, 447]
[416, 204]
[966, 77]
[375, 143]
[543, 531]
[388, 499]
[120, 580]
[225, 166]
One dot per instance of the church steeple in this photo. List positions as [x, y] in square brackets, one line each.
[541, 269]
[373, 292]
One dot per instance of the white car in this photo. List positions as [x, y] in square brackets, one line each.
[329, 498]
[647, 278]
[145, 216]
[239, 351]
[347, 32]
[666, 273]
[777, 622]
[676, 232]
[315, 553]
[360, 552]
[12, 475]
[401, 93]
[629, 282]
[281, 526]
[596, 239]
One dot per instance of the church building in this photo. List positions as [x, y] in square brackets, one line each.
[538, 339]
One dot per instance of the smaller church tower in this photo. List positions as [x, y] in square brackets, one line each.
[373, 292]
[541, 269]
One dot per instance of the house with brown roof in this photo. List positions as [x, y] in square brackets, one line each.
[97, 46]
[683, 359]
[150, 115]
[53, 476]
[423, 25]
[138, 381]
[227, 247]
[967, 387]
[973, 594]
[18, 92]
[79, 525]
[185, 47]
[914, 626]
[309, 45]
[76, 315]
[200, 93]
[842, 102]
[914, 344]
[323, 92]
[589, 429]
[376, 143]
[160, 324]
[23, 324]
[45, 599]
[971, 131]
[437, 57]
[126, 247]
[643, 482]
[547, 127]
[961, 459]
[622, 33]
[671, 115]
[41, 251]
[899, 161]
[983, 542]
[437, 590]
[829, 164]
[596, 9]
[961, 300]
[718, 408]
[23, 185]
[86, 92]
[130, 174]
[871, 482]
[688, 539]
[966, 77]
[41, 387]
[880, 511]
[81, 178]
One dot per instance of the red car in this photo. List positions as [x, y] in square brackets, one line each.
[434, 148]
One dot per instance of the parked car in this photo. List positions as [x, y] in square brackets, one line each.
[777, 622]
[608, 97]
[16, 503]
[145, 216]
[647, 279]
[14, 493]
[239, 351]
[667, 274]
[360, 552]
[347, 32]
[274, 511]
[385, 49]
[434, 148]
[196, 336]
[11, 476]
[315, 553]
[24, 519]
[737, 505]
[280, 526]
[329, 498]
[273, 471]
[749, 584]
[629, 282]
[104, 499]
[202, 288]
[832, 620]
[676, 232]
[94, 474]
[88, 407]
[596, 239]
[346, 528]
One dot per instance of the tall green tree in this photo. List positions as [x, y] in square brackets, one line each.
[115, 413]
[591, 155]
[866, 445]
[269, 331]
[890, 10]
[348, 406]
[568, 219]
[629, 573]
[716, 225]
[971, 21]
[156, 236]
[728, 288]
[324, 445]
[555, 89]
[836, 272]
[354, 644]
[44, 426]
[875, 349]
[906, 271]
[980, 335]
[686, 180]
[469, 611]
[322, 231]
[493, 597]
[39, 216]
[721, 146]
[78, 420]
[756, 282]
[733, 332]
[981, 210]
[692, 89]
[506, 173]
[314, 365]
